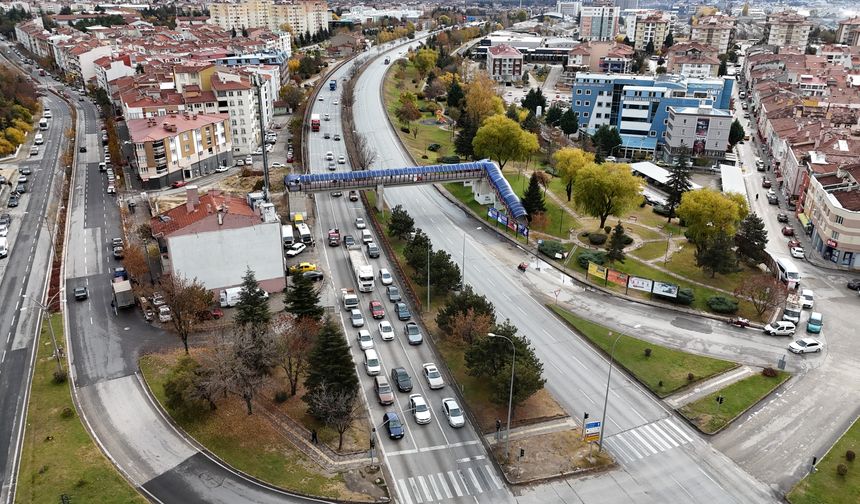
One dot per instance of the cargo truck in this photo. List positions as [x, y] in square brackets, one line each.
[349, 299]
[332, 84]
[334, 237]
[362, 270]
[122, 294]
[315, 122]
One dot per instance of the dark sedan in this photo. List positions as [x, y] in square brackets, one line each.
[781, 217]
[854, 284]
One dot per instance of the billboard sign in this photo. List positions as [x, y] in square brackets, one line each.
[597, 270]
[642, 284]
[617, 277]
[665, 289]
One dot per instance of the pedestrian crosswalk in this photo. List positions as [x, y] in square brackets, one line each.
[461, 483]
[647, 440]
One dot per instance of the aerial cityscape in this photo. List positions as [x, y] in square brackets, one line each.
[571, 251]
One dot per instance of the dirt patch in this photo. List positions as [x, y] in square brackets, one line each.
[550, 455]
[364, 482]
[538, 408]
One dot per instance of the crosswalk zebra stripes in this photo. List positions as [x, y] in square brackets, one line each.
[647, 440]
[456, 484]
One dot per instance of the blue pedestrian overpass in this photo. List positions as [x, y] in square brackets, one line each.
[489, 178]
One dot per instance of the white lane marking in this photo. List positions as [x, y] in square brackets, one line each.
[435, 488]
[644, 443]
[469, 459]
[454, 484]
[432, 448]
[679, 430]
[464, 443]
[475, 480]
[666, 436]
[441, 478]
[496, 481]
[628, 443]
[402, 452]
[404, 491]
[425, 488]
[648, 431]
[415, 490]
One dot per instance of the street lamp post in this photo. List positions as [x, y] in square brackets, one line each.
[510, 394]
[463, 269]
[45, 309]
[606, 395]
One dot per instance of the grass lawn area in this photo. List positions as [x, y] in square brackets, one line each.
[651, 250]
[248, 442]
[58, 456]
[825, 486]
[683, 262]
[553, 210]
[709, 417]
[665, 364]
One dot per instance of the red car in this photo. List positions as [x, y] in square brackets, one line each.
[178, 183]
[788, 231]
[376, 310]
[793, 243]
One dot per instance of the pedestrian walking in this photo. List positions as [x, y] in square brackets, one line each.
[314, 438]
[756, 196]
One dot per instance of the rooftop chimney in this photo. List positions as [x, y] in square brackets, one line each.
[192, 198]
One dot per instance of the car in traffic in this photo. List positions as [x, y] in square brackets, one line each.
[118, 252]
[453, 413]
[797, 252]
[420, 410]
[221, 168]
[413, 333]
[433, 376]
[348, 241]
[353, 195]
[296, 249]
[393, 293]
[336, 137]
[780, 328]
[766, 183]
[277, 165]
[386, 331]
[329, 156]
[787, 231]
[331, 166]
[326, 135]
[83, 148]
[793, 243]
[356, 318]
[401, 309]
[401, 379]
[385, 277]
[336, 194]
[392, 421]
[13, 201]
[813, 325]
[773, 200]
[341, 159]
[178, 183]
[782, 217]
[384, 394]
[364, 339]
[359, 223]
[81, 293]
[377, 311]
[805, 345]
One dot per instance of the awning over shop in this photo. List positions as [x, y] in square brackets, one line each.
[803, 219]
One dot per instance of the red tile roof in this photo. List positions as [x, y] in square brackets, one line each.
[235, 210]
[504, 50]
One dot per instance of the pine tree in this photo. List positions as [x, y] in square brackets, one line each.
[736, 132]
[463, 140]
[553, 115]
[330, 364]
[569, 123]
[533, 198]
[717, 256]
[751, 238]
[401, 223]
[678, 183]
[724, 69]
[531, 123]
[649, 48]
[455, 95]
[534, 99]
[253, 306]
[615, 247]
[302, 299]
[670, 41]
[512, 113]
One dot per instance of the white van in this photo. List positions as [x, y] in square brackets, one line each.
[229, 297]
[287, 235]
[788, 273]
[39, 140]
[371, 362]
[304, 233]
[4, 247]
[366, 237]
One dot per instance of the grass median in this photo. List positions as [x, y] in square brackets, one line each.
[58, 456]
[826, 485]
[710, 417]
[664, 371]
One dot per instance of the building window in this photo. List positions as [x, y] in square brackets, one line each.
[579, 91]
[834, 235]
[839, 219]
[588, 91]
[578, 103]
[652, 133]
[585, 114]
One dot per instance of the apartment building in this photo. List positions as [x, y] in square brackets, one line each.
[832, 215]
[599, 21]
[699, 131]
[179, 146]
[601, 57]
[638, 105]
[717, 31]
[652, 26]
[505, 63]
[109, 68]
[302, 15]
[848, 32]
[787, 29]
[692, 59]
[568, 9]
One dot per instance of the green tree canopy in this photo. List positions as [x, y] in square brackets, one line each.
[460, 303]
[751, 238]
[253, 306]
[534, 99]
[330, 365]
[455, 94]
[615, 247]
[708, 213]
[736, 132]
[569, 122]
[607, 189]
[568, 162]
[302, 299]
[605, 139]
[401, 223]
[424, 60]
[553, 115]
[678, 183]
[502, 140]
[717, 255]
[533, 201]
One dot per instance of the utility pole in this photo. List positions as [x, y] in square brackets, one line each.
[258, 82]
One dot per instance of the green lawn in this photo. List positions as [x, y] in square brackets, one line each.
[683, 262]
[58, 456]
[248, 443]
[671, 367]
[825, 486]
[553, 210]
[709, 417]
[651, 250]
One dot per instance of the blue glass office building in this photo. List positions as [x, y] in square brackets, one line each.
[637, 104]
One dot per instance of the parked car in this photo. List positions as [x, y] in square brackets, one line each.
[781, 217]
[164, 314]
[433, 376]
[813, 325]
[413, 333]
[793, 243]
[807, 298]
[221, 168]
[420, 410]
[805, 345]
[854, 284]
[392, 421]
[766, 183]
[797, 252]
[780, 328]
[178, 183]
[303, 266]
[277, 165]
[377, 311]
[401, 378]
[313, 276]
[401, 309]
[13, 201]
[296, 249]
[364, 339]
[788, 231]
[453, 412]
[386, 331]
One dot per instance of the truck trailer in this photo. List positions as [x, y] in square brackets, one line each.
[122, 295]
[315, 122]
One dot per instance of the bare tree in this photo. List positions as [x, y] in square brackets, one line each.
[363, 153]
[239, 363]
[186, 300]
[294, 340]
[468, 326]
[763, 291]
[338, 409]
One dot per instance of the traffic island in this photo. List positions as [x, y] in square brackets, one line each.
[835, 479]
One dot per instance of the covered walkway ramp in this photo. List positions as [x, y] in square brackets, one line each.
[485, 173]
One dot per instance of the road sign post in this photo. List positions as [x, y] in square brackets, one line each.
[591, 432]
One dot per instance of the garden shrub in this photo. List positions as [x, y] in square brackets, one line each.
[722, 304]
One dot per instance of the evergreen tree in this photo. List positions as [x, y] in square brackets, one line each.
[723, 70]
[244, 32]
[455, 96]
[627, 41]
[717, 256]
[533, 100]
[533, 198]
[569, 123]
[233, 32]
[678, 183]
[253, 306]
[401, 223]
[463, 140]
[462, 302]
[308, 38]
[649, 48]
[531, 123]
[553, 115]
[329, 365]
[415, 252]
[605, 139]
[302, 299]
[615, 248]
[751, 238]
[444, 272]
[512, 113]
[670, 41]
[736, 132]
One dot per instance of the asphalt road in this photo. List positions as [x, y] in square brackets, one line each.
[660, 458]
[24, 273]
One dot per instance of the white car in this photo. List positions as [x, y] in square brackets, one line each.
[805, 345]
[258, 151]
[797, 252]
[4, 231]
[453, 412]
[278, 165]
[385, 277]
[433, 376]
[386, 331]
[320, 99]
[296, 249]
[807, 298]
[341, 159]
[419, 408]
[164, 314]
[222, 169]
[780, 328]
[336, 102]
[365, 339]
[359, 223]
[329, 156]
[240, 162]
[356, 318]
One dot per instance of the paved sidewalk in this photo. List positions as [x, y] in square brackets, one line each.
[710, 386]
[561, 424]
